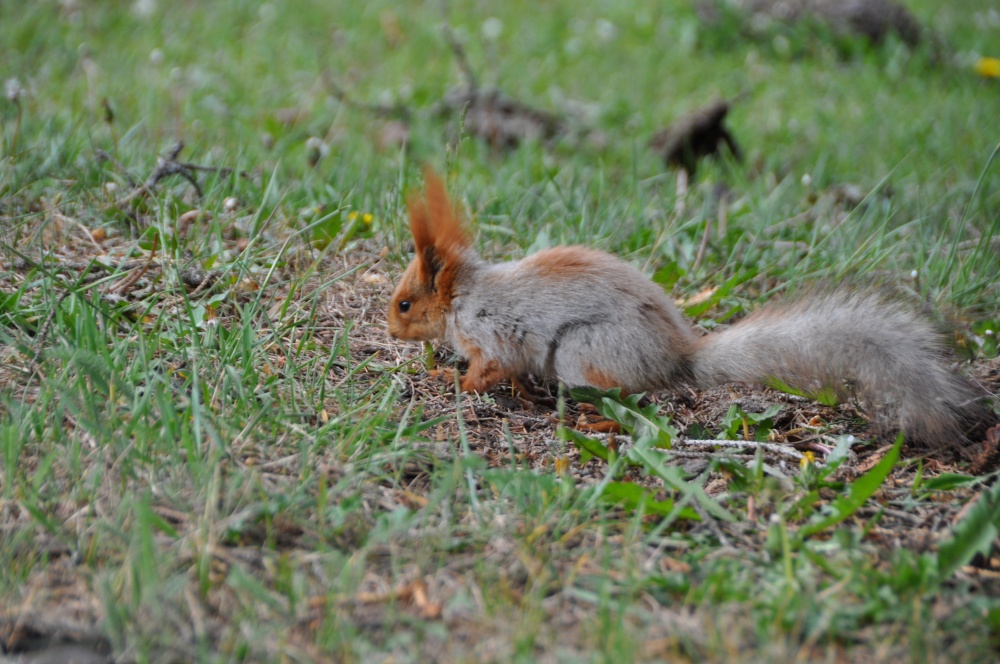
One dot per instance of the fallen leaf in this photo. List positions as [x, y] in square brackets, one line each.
[699, 297]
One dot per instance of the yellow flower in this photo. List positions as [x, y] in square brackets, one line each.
[352, 215]
[367, 218]
[808, 459]
[988, 67]
[562, 465]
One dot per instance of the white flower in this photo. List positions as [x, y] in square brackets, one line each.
[491, 28]
[606, 30]
[316, 143]
[316, 149]
[12, 89]
[144, 8]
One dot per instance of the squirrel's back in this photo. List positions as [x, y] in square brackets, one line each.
[578, 314]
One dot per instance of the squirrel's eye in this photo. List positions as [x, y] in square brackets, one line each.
[404, 306]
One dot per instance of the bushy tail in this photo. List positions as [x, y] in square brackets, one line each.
[861, 346]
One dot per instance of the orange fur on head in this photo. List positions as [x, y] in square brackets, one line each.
[427, 286]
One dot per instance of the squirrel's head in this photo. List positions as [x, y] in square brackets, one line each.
[422, 299]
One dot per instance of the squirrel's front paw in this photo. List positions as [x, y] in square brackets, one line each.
[444, 375]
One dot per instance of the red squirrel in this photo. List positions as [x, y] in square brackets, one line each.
[589, 319]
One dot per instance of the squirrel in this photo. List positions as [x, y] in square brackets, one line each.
[590, 319]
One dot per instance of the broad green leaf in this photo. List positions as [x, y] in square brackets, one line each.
[632, 496]
[653, 460]
[588, 445]
[771, 411]
[42, 517]
[641, 422]
[668, 275]
[948, 482]
[824, 395]
[725, 289]
[858, 494]
[974, 534]
[326, 228]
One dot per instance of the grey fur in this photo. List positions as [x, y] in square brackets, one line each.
[569, 312]
[862, 345]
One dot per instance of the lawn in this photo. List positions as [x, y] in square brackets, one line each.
[212, 450]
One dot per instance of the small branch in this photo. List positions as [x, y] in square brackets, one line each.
[703, 246]
[462, 58]
[712, 524]
[680, 205]
[192, 277]
[700, 448]
[43, 335]
[378, 110]
[130, 281]
[774, 448]
[166, 166]
[197, 279]
[23, 264]
[104, 156]
[224, 171]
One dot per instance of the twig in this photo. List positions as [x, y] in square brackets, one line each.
[166, 166]
[224, 171]
[379, 110]
[462, 58]
[682, 187]
[774, 448]
[192, 277]
[196, 279]
[706, 454]
[703, 246]
[61, 265]
[104, 156]
[43, 335]
[750, 445]
[722, 218]
[129, 281]
[713, 524]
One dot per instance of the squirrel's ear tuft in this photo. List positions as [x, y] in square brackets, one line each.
[438, 234]
[448, 232]
[426, 259]
[420, 224]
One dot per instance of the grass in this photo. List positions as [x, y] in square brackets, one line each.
[253, 471]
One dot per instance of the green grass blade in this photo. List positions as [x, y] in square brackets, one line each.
[860, 491]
